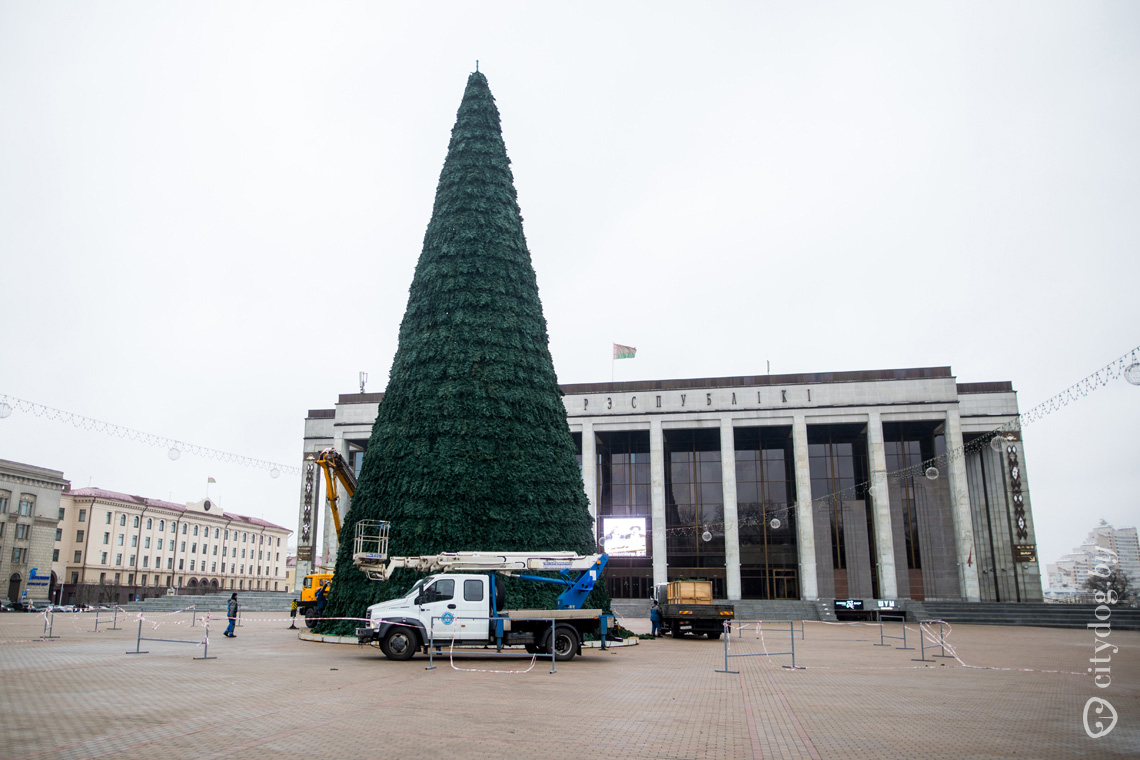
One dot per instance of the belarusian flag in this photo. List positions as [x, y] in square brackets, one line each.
[624, 352]
[211, 480]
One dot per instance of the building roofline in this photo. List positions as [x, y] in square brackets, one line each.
[142, 501]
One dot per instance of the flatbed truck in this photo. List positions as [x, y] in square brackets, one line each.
[687, 607]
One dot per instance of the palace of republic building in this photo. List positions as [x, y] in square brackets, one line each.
[881, 484]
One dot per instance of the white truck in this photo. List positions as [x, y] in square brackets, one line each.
[454, 606]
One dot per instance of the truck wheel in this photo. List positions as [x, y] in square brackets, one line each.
[311, 617]
[714, 635]
[531, 648]
[399, 644]
[676, 631]
[565, 643]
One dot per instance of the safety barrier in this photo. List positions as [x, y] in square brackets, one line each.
[728, 624]
[114, 612]
[741, 628]
[49, 618]
[925, 628]
[205, 642]
[883, 637]
[447, 619]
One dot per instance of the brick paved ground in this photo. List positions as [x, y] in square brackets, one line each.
[270, 694]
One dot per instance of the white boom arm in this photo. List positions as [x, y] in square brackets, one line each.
[380, 569]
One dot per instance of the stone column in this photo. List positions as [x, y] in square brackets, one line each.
[960, 508]
[881, 504]
[657, 501]
[805, 522]
[731, 524]
[590, 471]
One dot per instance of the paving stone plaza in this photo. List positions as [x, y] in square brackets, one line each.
[1014, 692]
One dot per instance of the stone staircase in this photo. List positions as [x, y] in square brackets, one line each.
[250, 601]
[1030, 613]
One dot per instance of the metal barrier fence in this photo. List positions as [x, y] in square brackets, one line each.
[728, 624]
[741, 628]
[49, 617]
[205, 642]
[114, 612]
[499, 653]
[883, 637]
[940, 643]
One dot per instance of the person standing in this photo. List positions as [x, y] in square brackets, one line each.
[654, 619]
[293, 616]
[322, 599]
[232, 613]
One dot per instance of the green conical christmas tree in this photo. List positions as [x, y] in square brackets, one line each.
[470, 449]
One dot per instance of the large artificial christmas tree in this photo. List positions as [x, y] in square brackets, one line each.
[470, 449]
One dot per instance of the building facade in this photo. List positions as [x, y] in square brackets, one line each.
[114, 547]
[29, 514]
[884, 484]
[1069, 574]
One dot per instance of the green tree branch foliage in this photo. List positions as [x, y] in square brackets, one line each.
[470, 449]
[1116, 586]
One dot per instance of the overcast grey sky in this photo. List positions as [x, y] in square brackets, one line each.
[210, 212]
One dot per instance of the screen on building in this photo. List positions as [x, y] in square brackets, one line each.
[624, 536]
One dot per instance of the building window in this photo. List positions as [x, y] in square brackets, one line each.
[120, 539]
[83, 515]
[694, 506]
[184, 529]
[174, 526]
[169, 566]
[78, 536]
[243, 553]
[59, 534]
[244, 536]
[146, 563]
[117, 576]
[23, 531]
[231, 570]
[136, 522]
[102, 578]
[108, 518]
[142, 581]
[215, 532]
[162, 525]
[181, 564]
[840, 475]
[182, 548]
[130, 579]
[4, 497]
[27, 506]
[103, 558]
[195, 530]
[191, 565]
[193, 548]
[123, 520]
[765, 505]
[118, 559]
[61, 512]
[132, 561]
[75, 576]
[215, 550]
[160, 544]
[213, 567]
[18, 554]
[106, 537]
[55, 555]
[149, 525]
[146, 542]
[78, 557]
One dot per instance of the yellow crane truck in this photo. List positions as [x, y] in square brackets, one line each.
[336, 470]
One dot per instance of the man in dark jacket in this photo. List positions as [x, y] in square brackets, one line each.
[231, 613]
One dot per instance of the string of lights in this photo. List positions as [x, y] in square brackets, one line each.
[174, 448]
[1126, 366]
